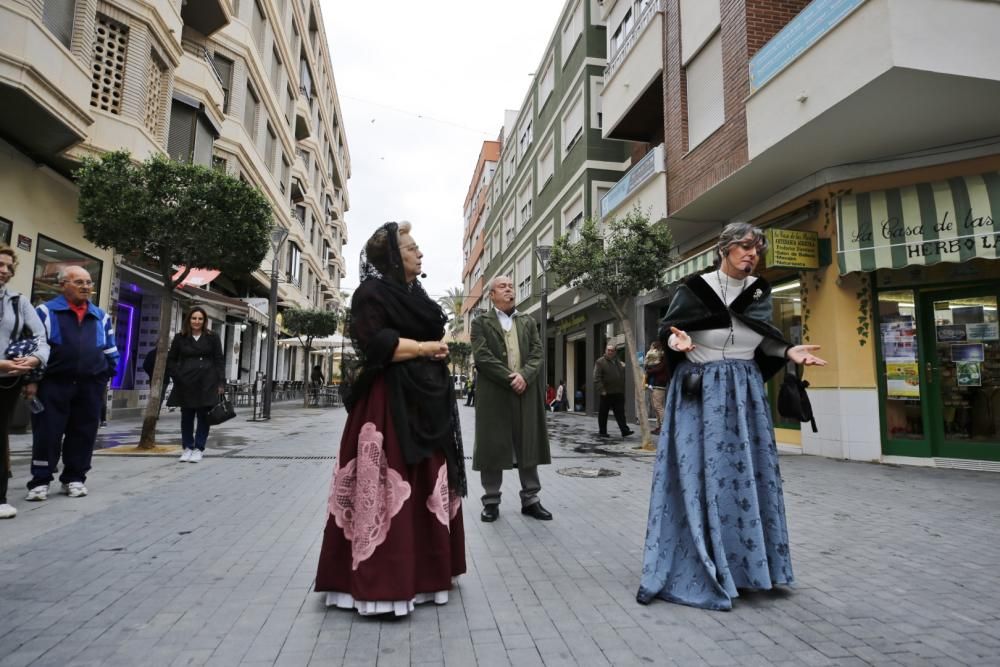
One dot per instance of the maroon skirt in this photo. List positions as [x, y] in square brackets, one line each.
[393, 530]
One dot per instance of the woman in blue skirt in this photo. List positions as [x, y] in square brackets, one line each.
[716, 512]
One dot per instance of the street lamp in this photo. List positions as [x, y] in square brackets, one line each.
[544, 253]
[278, 236]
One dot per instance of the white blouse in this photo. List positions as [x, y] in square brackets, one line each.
[738, 343]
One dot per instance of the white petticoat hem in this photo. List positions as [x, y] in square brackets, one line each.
[395, 607]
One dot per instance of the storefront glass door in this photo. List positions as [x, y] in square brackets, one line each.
[961, 334]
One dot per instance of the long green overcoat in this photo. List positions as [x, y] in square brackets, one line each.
[496, 401]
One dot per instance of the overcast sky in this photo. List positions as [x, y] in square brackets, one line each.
[421, 86]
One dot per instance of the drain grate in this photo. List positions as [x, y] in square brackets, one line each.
[588, 472]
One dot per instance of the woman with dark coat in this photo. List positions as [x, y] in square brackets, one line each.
[716, 512]
[196, 364]
[394, 535]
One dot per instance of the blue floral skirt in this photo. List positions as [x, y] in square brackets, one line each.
[716, 511]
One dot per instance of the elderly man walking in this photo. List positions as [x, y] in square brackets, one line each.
[510, 407]
[609, 381]
[82, 359]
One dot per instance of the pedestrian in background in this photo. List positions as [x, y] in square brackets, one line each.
[609, 382]
[510, 410]
[657, 375]
[82, 359]
[197, 366]
[17, 317]
[148, 366]
[716, 512]
[559, 402]
[394, 534]
[470, 397]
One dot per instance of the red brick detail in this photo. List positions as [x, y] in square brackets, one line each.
[746, 26]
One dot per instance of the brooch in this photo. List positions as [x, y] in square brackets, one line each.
[758, 293]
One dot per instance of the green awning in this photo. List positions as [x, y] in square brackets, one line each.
[686, 267]
[920, 225]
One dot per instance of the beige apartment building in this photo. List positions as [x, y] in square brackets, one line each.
[242, 85]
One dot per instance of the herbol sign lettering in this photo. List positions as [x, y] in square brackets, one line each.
[923, 224]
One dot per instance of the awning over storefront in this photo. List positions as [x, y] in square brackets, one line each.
[257, 310]
[686, 267]
[920, 225]
[197, 277]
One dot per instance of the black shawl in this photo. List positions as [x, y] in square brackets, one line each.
[696, 307]
[421, 396]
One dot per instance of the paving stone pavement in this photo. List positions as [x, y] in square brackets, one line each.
[213, 563]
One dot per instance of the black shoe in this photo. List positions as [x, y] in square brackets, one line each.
[627, 433]
[536, 511]
[490, 513]
[603, 435]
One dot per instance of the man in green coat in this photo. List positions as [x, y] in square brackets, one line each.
[510, 402]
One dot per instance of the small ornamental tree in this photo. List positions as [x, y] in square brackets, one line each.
[459, 352]
[627, 260]
[175, 215]
[307, 325]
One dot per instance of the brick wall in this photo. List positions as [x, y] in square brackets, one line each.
[764, 18]
[746, 25]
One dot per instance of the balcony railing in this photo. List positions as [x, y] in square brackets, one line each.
[808, 27]
[643, 170]
[653, 8]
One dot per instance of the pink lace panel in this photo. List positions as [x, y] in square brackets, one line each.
[443, 503]
[365, 495]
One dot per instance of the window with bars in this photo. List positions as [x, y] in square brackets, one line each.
[524, 277]
[154, 94]
[57, 15]
[294, 273]
[251, 107]
[224, 66]
[108, 66]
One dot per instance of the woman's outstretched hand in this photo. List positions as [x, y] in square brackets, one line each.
[803, 355]
[682, 342]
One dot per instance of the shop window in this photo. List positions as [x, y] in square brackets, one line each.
[900, 353]
[786, 302]
[53, 256]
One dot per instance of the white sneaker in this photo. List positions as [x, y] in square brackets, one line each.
[186, 456]
[195, 455]
[75, 489]
[7, 511]
[38, 493]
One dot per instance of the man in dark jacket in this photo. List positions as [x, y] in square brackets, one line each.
[510, 408]
[609, 382]
[83, 358]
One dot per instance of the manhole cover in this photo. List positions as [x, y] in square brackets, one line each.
[588, 472]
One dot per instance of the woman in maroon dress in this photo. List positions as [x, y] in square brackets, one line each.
[394, 535]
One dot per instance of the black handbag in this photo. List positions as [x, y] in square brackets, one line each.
[222, 412]
[793, 400]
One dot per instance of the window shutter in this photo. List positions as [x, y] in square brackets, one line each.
[203, 142]
[180, 140]
[705, 101]
[224, 66]
[58, 17]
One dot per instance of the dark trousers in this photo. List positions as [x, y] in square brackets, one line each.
[192, 438]
[470, 399]
[8, 399]
[67, 427]
[615, 403]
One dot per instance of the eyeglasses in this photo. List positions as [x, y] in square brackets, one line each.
[80, 283]
[751, 245]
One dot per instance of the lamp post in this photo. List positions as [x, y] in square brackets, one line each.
[544, 253]
[278, 236]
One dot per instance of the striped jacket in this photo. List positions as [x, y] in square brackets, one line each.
[78, 349]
